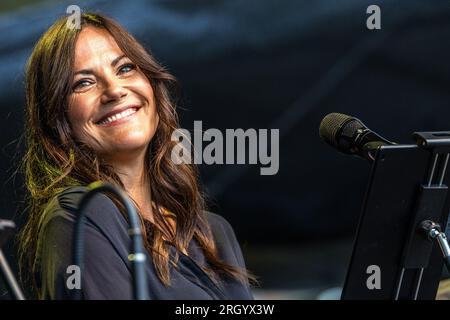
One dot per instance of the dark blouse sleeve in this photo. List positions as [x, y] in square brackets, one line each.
[226, 240]
[105, 274]
[228, 246]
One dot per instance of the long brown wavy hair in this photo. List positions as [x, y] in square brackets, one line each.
[54, 160]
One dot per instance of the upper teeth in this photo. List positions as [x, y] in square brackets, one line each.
[118, 116]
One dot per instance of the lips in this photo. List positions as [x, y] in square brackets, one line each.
[115, 112]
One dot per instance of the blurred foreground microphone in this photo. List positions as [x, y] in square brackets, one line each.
[349, 135]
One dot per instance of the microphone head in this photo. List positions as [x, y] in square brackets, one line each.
[336, 129]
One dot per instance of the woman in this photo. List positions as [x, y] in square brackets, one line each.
[98, 108]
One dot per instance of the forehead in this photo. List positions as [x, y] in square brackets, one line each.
[93, 46]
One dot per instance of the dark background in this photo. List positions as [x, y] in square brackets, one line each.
[268, 64]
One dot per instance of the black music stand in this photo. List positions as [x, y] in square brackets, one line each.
[6, 230]
[405, 208]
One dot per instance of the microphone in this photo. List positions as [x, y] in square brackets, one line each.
[350, 136]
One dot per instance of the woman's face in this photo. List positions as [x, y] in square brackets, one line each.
[111, 106]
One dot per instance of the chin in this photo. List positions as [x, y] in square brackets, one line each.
[131, 145]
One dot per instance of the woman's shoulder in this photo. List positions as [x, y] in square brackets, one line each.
[221, 229]
[225, 238]
[100, 211]
[217, 221]
[69, 199]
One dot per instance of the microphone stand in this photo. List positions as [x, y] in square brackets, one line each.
[6, 227]
[137, 256]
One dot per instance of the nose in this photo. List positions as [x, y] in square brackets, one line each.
[113, 91]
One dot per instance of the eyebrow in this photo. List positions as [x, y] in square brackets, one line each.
[113, 64]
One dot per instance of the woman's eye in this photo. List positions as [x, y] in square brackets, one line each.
[81, 85]
[127, 68]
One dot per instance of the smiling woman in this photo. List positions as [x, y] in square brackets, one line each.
[99, 108]
[111, 106]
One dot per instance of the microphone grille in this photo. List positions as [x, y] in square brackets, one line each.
[330, 125]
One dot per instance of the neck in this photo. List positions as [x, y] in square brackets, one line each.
[131, 171]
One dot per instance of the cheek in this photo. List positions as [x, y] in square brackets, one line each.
[154, 115]
[78, 114]
[144, 89]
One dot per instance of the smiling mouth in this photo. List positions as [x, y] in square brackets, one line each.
[117, 116]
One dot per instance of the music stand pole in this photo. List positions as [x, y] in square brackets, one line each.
[7, 275]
